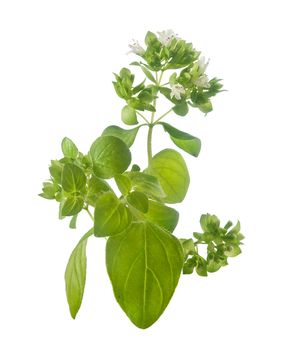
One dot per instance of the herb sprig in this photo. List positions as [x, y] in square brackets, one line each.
[144, 258]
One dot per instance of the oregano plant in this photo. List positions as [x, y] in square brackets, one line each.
[144, 258]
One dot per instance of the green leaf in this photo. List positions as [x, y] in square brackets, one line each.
[145, 96]
[69, 149]
[206, 107]
[128, 115]
[189, 247]
[146, 183]
[162, 215]
[73, 178]
[232, 250]
[189, 265]
[111, 216]
[172, 172]
[138, 200]
[49, 190]
[95, 187]
[135, 167]
[123, 183]
[148, 74]
[73, 222]
[201, 268]
[72, 206]
[186, 142]
[75, 275]
[144, 265]
[127, 136]
[110, 156]
[56, 169]
[181, 108]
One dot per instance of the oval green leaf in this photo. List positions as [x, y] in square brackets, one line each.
[181, 108]
[127, 136]
[138, 200]
[183, 140]
[73, 178]
[111, 216]
[162, 215]
[75, 275]
[71, 206]
[110, 156]
[128, 115]
[146, 183]
[172, 172]
[69, 149]
[144, 265]
[123, 183]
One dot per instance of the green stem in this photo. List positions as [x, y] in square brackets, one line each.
[149, 144]
[142, 116]
[89, 213]
[151, 124]
[163, 115]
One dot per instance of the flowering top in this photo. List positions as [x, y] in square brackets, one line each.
[166, 37]
[189, 85]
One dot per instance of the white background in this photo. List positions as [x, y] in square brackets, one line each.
[56, 64]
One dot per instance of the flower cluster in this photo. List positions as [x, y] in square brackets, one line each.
[191, 85]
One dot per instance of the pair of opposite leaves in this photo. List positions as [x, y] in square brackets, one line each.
[144, 262]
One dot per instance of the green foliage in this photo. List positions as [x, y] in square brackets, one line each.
[144, 265]
[144, 259]
[75, 275]
[186, 142]
[127, 136]
[110, 156]
[221, 242]
[172, 172]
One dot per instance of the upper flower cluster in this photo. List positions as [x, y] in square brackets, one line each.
[188, 85]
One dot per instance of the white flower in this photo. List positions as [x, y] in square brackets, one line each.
[202, 64]
[202, 81]
[166, 36]
[136, 48]
[177, 91]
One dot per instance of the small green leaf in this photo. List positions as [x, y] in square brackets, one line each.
[135, 167]
[111, 216]
[56, 169]
[72, 206]
[95, 187]
[49, 190]
[189, 247]
[201, 268]
[127, 136]
[172, 172]
[138, 200]
[232, 250]
[144, 265]
[69, 149]
[162, 215]
[110, 156]
[146, 96]
[206, 107]
[73, 178]
[75, 275]
[181, 108]
[148, 74]
[73, 222]
[186, 142]
[146, 183]
[128, 115]
[189, 265]
[123, 183]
